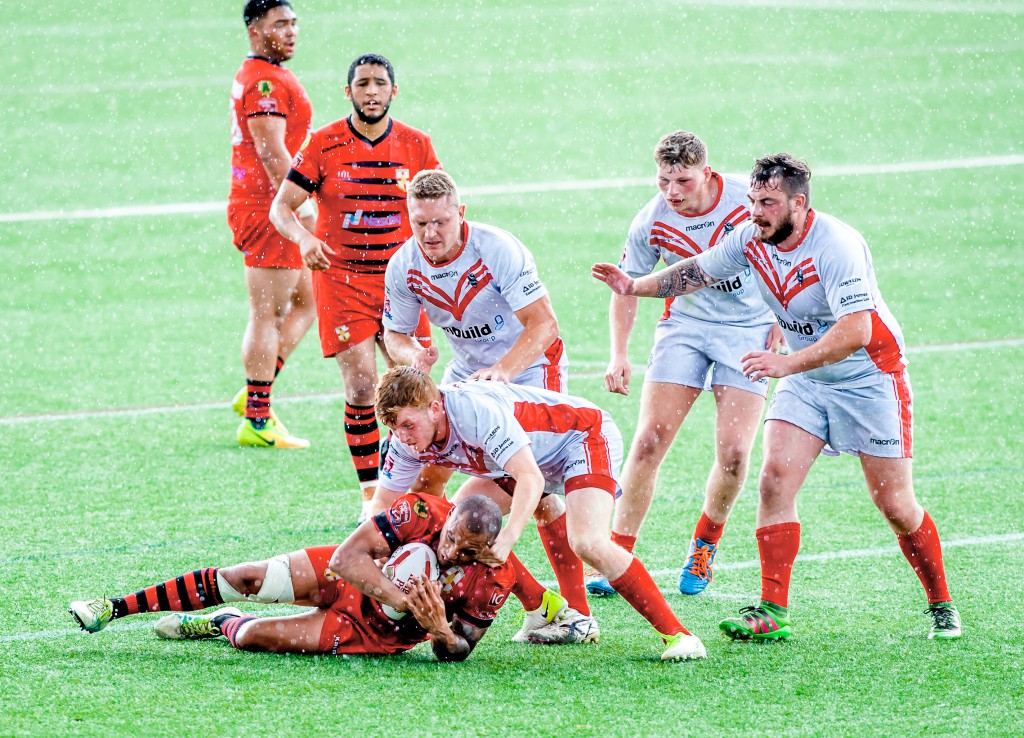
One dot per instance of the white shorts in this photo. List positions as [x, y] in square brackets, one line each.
[554, 377]
[872, 417]
[595, 461]
[695, 353]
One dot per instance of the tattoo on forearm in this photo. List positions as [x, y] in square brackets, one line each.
[681, 278]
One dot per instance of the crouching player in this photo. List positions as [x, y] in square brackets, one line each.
[346, 587]
[521, 438]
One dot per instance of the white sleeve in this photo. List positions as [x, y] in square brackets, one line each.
[401, 306]
[496, 430]
[515, 274]
[844, 275]
[400, 469]
[639, 257]
[726, 259]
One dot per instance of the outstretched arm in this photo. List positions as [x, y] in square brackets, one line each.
[681, 278]
[540, 329]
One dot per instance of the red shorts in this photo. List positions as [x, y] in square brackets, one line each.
[344, 631]
[255, 236]
[350, 308]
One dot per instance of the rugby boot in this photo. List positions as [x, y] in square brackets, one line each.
[764, 622]
[92, 615]
[945, 621]
[552, 605]
[270, 437]
[180, 626]
[697, 572]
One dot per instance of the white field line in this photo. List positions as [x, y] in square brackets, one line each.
[862, 553]
[597, 372]
[579, 185]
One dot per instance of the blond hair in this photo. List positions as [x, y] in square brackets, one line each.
[433, 184]
[402, 387]
[681, 149]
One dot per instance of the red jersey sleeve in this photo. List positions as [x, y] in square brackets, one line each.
[486, 591]
[264, 95]
[305, 169]
[413, 518]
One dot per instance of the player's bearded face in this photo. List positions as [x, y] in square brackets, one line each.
[771, 210]
[276, 33]
[371, 92]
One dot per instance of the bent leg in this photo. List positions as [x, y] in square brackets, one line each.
[298, 633]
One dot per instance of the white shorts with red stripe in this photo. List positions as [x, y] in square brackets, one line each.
[871, 416]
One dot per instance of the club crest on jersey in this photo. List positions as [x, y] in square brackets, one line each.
[420, 508]
[471, 278]
[330, 576]
[401, 514]
[728, 227]
[265, 87]
[451, 577]
[402, 178]
[342, 333]
[799, 275]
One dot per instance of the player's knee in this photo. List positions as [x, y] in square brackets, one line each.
[550, 509]
[588, 545]
[648, 446]
[237, 583]
[732, 461]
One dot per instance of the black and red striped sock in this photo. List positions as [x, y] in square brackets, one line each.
[363, 438]
[230, 624]
[257, 403]
[193, 591]
[279, 367]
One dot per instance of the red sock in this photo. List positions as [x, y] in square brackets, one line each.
[230, 626]
[193, 591]
[567, 565]
[363, 438]
[924, 552]
[708, 530]
[778, 545]
[639, 590]
[527, 589]
[279, 367]
[627, 542]
[257, 402]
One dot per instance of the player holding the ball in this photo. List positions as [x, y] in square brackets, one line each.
[349, 593]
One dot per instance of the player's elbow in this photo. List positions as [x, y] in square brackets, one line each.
[342, 561]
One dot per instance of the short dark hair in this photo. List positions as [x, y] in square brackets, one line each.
[376, 59]
[256, 9]
[784, 171]
[481, 515]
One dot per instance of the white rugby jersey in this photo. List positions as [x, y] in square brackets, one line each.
[658, 232]
[827, 275]
[471, 297]
[489, 422]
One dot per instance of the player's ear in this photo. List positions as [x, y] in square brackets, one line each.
[348, 92]
[462, 212]
[394, 91]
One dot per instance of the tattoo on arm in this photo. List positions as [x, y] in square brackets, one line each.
[682, 279]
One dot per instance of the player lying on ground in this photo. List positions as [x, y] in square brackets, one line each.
[523, 438]
[845, 384]
[345, 586]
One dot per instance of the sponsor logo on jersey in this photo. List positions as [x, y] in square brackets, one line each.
[884, 441]
[847, 282]
[265, 87]
[445, 275]
[498, 598]
[574, 463]
[728, 285]
[267, 105]
[238, 172]
[387, 307]
[700, 226]
[505, 445]
[804, 329]
[420, 508]
[472, 331]
[357, 218]
[531, 287]
[858, 297]
[400, 514]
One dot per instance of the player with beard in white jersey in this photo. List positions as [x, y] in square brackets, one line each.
[479, 285]
[523, 439]
[698, 344]
[844, 384]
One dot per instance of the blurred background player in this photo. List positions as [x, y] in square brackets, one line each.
[698, 344]
[480, 286]
[345, 586]
[270, 118]
[358, 168]
[521, 438]
[845, 384]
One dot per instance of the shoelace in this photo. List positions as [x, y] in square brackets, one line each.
[701, 562]
[943, 617]
[199, 627]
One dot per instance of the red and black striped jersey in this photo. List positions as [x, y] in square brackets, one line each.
[360, 186]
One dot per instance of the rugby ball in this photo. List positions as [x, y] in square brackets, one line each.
[411, 559]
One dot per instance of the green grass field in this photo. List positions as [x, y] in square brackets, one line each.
[121, 335]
